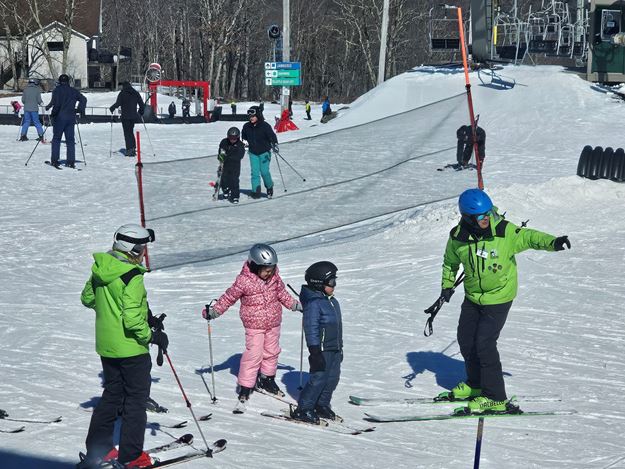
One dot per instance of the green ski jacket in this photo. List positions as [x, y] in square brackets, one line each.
[489, 263]
[116, 292]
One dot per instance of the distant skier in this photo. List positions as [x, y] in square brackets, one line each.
[116, 292]
[326, 110]
[63, 104]
[323, 327]
[307, 109]
[172, 110]
[231, 152]
[465, 144]
[32, 100]
[133, 107]
[233, 107]
[261, 140]
[17, 107]
[186, 108]
[262, 294]
[486, 244]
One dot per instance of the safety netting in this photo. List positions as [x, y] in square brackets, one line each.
[352, 175]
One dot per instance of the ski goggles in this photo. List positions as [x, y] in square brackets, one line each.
[481, 216]
[331, 282]
[251, 112]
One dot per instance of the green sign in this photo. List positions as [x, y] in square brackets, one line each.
[282, 73]
[283, 81]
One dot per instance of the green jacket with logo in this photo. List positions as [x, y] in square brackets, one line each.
[489, 263]
[116, 292]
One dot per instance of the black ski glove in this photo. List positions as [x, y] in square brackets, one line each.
[156, 322]
[447, 293]
[560, 242]
[160, 338]
[315, 359]
[275, 147]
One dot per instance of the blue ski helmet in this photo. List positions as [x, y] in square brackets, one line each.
[474, 202]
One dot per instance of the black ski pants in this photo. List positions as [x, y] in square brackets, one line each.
[478, 330]
[230, 175]
[129, 133]
[126, 389]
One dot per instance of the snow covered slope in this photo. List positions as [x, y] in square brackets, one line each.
[564, 334]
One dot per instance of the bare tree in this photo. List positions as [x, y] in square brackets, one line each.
[11, 14]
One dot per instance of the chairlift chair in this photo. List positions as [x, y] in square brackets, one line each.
[443, 32]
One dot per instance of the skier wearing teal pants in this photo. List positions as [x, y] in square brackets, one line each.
[261, 139]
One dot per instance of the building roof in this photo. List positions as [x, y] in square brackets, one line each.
[86, 16]
[56, 24]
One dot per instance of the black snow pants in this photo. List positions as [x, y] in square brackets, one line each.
[129, 133]
[126, 388]
[231, 173]
[478, 330]
[321, 384]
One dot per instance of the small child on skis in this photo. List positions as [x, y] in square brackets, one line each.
[324, 337]
[16, 107]
[262, 294]
[231, 152]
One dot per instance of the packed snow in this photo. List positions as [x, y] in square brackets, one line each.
[564, 334]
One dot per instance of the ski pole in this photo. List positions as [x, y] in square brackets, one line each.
[220, 172]
[111, 139]
[280, 171]
[81, 147]
[19, 129]
[210, 352]
[290, 166]
[301, 348]
[478, 443]
[435, 308]
[148, 134]
[37, 144]
[186, 399]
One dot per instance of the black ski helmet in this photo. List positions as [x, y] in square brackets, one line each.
[234, 132]
[320, 274]
[63, 78]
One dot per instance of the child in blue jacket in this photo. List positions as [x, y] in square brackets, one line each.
[323, 328]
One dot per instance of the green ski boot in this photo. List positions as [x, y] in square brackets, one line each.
[484, 405]
[462, 392]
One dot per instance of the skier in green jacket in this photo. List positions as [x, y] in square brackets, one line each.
[123, 322]
[486, 244]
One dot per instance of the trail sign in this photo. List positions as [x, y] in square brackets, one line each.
[283, 73]
[283, 65]
[283, 81]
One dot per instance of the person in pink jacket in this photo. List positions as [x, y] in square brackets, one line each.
[262, 294]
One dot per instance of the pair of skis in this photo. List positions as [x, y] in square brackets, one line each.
[457, 167]
[460, 413]
[5, 416]
[184, 441]
[337, 426]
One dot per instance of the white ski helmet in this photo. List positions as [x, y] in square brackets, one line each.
[263, 254]
[132, 238]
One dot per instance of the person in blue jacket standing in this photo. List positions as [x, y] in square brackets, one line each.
[323, 328]
[261, 140]
[63, 104]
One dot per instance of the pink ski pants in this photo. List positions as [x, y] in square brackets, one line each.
[262, 348]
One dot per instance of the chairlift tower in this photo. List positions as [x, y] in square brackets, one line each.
[482, 16]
